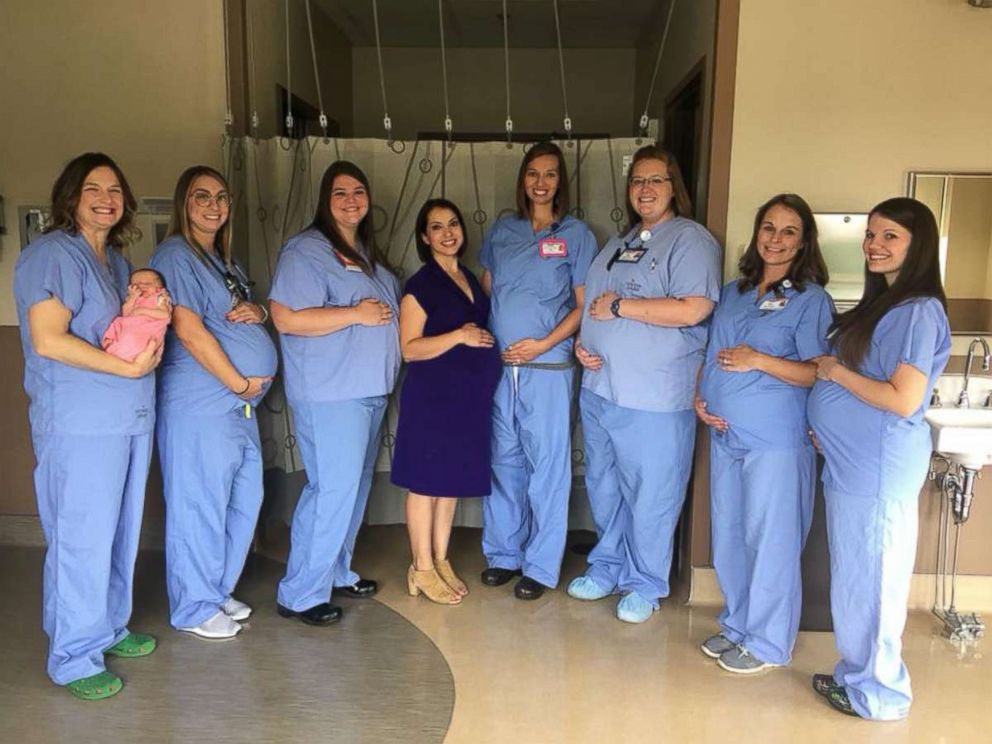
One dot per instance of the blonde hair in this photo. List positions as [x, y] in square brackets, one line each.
[179, 221]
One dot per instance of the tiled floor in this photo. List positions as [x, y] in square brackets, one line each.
[554, 670]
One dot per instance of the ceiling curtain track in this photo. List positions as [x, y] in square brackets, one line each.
[506, 69]
[386, 121]
[561, 66]
[316, 74]
[444, 72]
[252, 103]
[289, 79]
[657, 64]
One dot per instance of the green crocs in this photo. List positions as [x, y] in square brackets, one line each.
[132, 645]
[99, 686]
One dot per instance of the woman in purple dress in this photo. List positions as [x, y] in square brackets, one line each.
[445, 426]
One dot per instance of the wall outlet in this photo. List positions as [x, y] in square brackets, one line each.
[625, 165]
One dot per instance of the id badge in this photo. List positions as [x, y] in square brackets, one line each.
[631, 255]
[778, 303]
[348, 265]
[553, 248]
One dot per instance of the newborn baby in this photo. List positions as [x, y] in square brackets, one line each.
[145, 315]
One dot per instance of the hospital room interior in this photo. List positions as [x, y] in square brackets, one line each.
[847, 104]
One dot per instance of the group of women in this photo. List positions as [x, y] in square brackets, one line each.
[485, 409]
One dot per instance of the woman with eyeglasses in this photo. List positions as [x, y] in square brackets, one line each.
[219, 362]
[648, 296]
[771, 323]
[535, 265]
[335, 304]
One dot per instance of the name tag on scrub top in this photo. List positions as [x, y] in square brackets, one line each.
[553, 248]
[778, 303]
[348, 265]
[631, 255]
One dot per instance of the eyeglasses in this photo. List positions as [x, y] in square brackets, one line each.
[637, 182]
[205, 199]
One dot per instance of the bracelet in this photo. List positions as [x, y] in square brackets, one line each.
[265, 312]
[247, 385]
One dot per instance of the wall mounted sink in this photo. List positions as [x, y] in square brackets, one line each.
[962, 435]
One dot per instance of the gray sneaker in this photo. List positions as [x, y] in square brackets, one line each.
[716, 645]
[740, 661]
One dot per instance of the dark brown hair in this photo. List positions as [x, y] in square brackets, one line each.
[560, 203]
[681, 203]
[68, 188]
[179, 221]
[323, 220]
[807, 265]
[424, 249]
[919, 276]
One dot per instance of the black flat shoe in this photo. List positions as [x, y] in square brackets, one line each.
[323, 614]
[527, 588]
[824, 684]
[499, 576]
[361, 589]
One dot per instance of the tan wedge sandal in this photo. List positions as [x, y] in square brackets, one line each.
[447, 573]
[432, 586]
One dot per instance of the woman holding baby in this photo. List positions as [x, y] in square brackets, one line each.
[91, 415]
[218, 363]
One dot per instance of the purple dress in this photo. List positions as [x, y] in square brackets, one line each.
[444, 433]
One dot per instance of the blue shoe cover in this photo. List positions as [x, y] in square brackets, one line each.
[583, 587]
[633, 608]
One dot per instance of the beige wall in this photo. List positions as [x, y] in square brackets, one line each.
[142, 81]
[600, 85]
[690, 40]
[838, 100]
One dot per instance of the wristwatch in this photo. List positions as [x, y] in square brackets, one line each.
[615, 307]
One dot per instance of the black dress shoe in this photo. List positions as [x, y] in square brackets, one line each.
[499, 576]
[527, 588]
[361, 589]
[323, 614]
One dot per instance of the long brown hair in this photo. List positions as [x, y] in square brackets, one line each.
[179, 220]
[681, 203]
[560, 202]
[68, 188]
[323, 220]
[807, 265]
[919, 276]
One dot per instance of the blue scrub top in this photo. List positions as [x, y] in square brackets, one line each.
[355, 362]
[183, 383]
[531, 292]
[867, 450]
[649, 367]
[65, 399]
[763, 411]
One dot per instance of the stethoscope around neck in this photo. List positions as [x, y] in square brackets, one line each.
[236, 282]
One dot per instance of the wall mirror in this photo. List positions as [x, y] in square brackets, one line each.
[962, 204]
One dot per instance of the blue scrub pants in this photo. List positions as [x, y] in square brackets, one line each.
[637, 470]
[762, 507]
[91, 493]
[872, 551]
[525, 518]
[339, 442]
[212, 473]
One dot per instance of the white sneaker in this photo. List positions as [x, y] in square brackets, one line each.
[235, 610]
[217, 627]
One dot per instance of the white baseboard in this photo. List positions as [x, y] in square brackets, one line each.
[974, 593]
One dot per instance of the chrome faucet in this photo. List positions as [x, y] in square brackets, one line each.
[963, 401]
